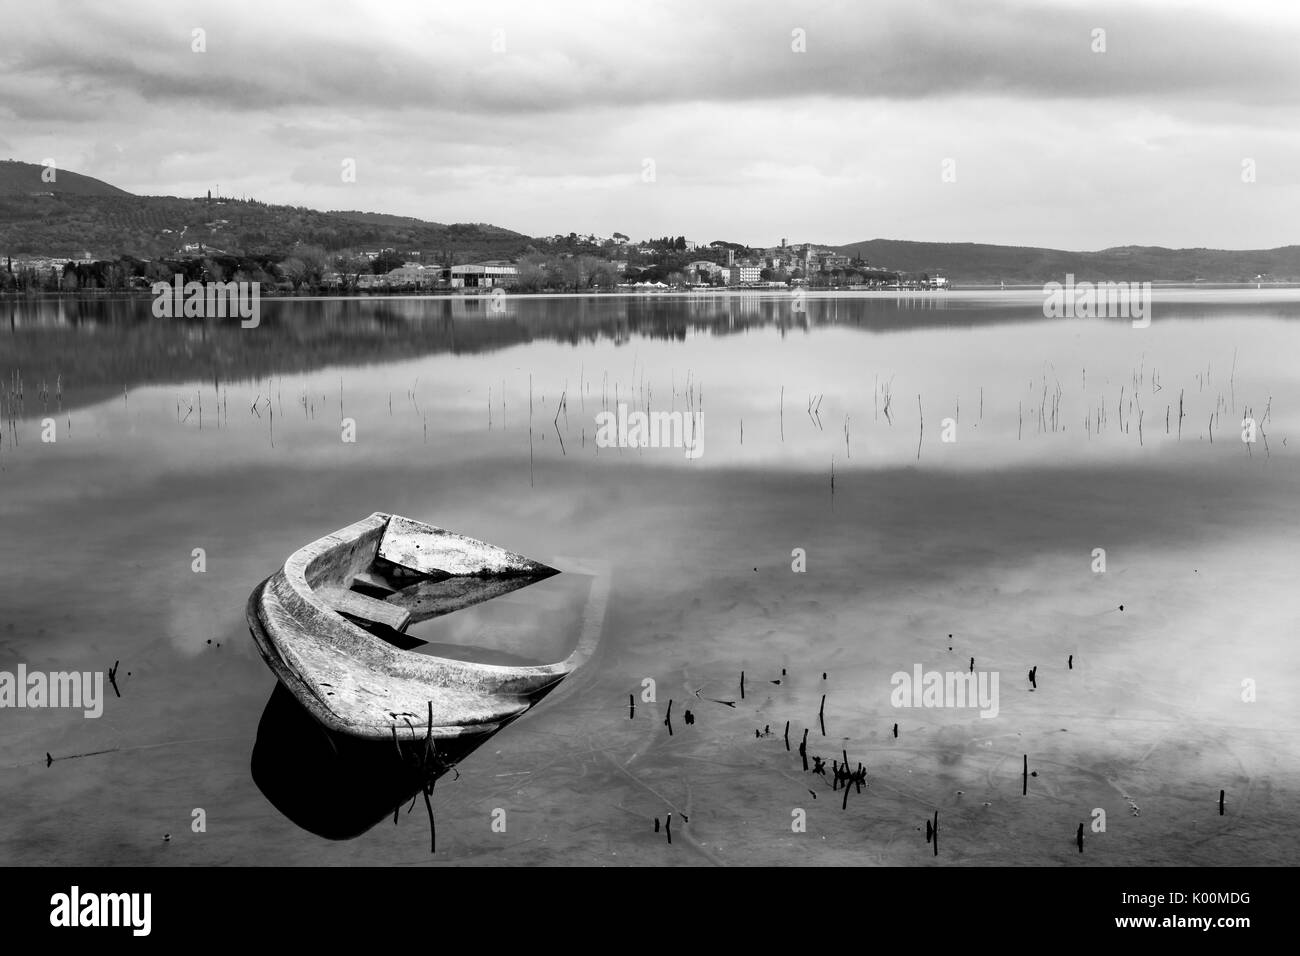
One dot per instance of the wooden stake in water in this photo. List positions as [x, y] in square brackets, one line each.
[921, 432]
[1024, 780]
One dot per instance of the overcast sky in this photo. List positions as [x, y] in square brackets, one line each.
[540, 117]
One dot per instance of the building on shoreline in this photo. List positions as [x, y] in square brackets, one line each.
[485, 275]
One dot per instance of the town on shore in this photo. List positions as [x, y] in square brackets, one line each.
[557, 263]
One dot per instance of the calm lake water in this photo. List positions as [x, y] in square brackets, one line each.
[947, 464]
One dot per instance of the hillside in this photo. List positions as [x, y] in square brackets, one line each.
[24, 179]
[978, 262]
[90, 216]
[78, 214]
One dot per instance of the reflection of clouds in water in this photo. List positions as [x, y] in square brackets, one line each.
[201, 614]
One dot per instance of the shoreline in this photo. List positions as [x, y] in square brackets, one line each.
[973, 291]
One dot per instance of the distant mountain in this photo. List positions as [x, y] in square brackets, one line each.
[25, 179]
[78, 214]
[973, 262]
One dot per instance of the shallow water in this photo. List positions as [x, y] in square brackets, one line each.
[172, 436]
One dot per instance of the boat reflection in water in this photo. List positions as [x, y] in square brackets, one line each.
[339, 787]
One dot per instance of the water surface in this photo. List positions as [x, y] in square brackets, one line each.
[823, 431]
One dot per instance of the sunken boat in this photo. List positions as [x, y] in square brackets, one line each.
[332, 624]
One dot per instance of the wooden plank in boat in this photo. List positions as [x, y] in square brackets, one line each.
[419, 547]
[430, 599]
[368, 579]
[366, 608]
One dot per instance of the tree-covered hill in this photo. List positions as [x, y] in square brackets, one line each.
[85, 215]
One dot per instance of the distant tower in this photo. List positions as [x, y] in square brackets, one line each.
[209, 195]
[783, 242]
[731, 256]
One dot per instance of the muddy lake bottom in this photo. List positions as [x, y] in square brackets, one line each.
[919, 552]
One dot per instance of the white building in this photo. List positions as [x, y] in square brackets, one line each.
[488, 275]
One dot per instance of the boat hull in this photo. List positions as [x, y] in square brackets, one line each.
[357, 683]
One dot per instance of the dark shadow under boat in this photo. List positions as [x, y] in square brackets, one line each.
[339, 787]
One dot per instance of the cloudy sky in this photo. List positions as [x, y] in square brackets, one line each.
[704, 119]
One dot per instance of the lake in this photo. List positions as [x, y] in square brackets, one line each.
[886, 483]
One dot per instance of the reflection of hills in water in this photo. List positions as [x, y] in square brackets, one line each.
[97, 347]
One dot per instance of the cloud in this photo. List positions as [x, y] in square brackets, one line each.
[441, 57]
[513, 113]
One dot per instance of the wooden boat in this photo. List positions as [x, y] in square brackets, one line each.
[331, 625]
